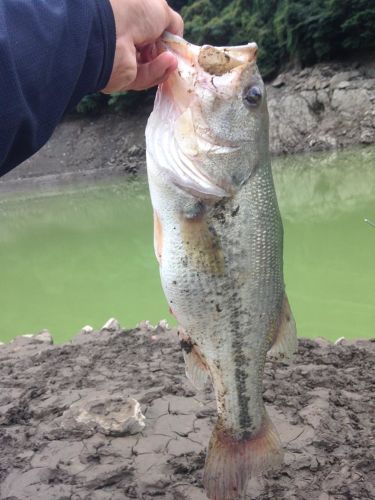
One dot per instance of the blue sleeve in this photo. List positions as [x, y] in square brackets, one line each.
[52, 53]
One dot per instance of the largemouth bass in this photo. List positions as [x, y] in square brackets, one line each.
[219, 241]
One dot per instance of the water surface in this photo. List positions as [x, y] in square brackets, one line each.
[85, 254]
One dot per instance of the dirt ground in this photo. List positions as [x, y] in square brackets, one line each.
[62, 432]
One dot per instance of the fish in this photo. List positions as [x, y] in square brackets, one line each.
[218, 239]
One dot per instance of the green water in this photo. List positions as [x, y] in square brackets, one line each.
[86, 254]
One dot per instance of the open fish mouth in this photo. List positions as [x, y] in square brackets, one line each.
[215, 61]
[218, 70]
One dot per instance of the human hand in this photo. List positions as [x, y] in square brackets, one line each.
[139, 24]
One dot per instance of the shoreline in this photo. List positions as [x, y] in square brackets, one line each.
[322, 108]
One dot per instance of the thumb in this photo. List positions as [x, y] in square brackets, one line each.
[154, 72]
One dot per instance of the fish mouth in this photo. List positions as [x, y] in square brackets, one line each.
[216, 61]
[204, 76]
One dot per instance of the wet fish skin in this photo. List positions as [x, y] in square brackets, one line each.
[219, 242]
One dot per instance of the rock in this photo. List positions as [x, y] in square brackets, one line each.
[86, 329]
[335, 102]
[135, 150]
[340, 340]
[161, 327]
[322, 342]
[343, 85]
[279, 82]
[42, 337]
[146, 325]
[367, 136]
[292, 122]
[369, 69]
[111, 415]
[351, 102]
[311, 97]
[323, 97]
[337, 79]
[112, 325]
[312, 83]
[163, 324]
[45, 337]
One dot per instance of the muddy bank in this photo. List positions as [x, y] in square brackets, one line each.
[65, 433]
[325, 107]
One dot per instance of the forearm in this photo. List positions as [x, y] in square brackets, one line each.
[52, 53]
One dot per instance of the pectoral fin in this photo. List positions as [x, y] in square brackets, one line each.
[195, 365]
[285, 337]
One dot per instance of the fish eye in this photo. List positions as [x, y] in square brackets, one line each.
[253, 96]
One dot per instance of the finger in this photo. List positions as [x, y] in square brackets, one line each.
[124, 70]
[154, 72]
[176, 24]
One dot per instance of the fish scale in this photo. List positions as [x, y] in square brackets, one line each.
[220, 242]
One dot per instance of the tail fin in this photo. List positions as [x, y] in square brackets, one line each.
[231, 462]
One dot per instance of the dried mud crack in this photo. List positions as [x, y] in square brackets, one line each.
[60, 408]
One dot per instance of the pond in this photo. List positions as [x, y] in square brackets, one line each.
[85, 254]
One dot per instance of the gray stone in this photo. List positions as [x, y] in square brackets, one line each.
[323, 97]
[367, 136]
[290, 121]
[351, 102]
[343, 85]
[111, 415]
[279, 81]
[311, 97]
[340, 341]
[112, 325]
[343, 76]
[87, 329]
[146, 325]
[45, 337]
[135, 150]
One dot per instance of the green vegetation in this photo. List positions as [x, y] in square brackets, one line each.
[301, 32]
[289, 32]
[119, 101]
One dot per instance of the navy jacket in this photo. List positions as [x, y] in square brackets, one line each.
[52, 53]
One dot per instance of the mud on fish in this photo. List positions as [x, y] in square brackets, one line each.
[218, 238]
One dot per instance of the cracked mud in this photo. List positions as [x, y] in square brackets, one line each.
[321, 405]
